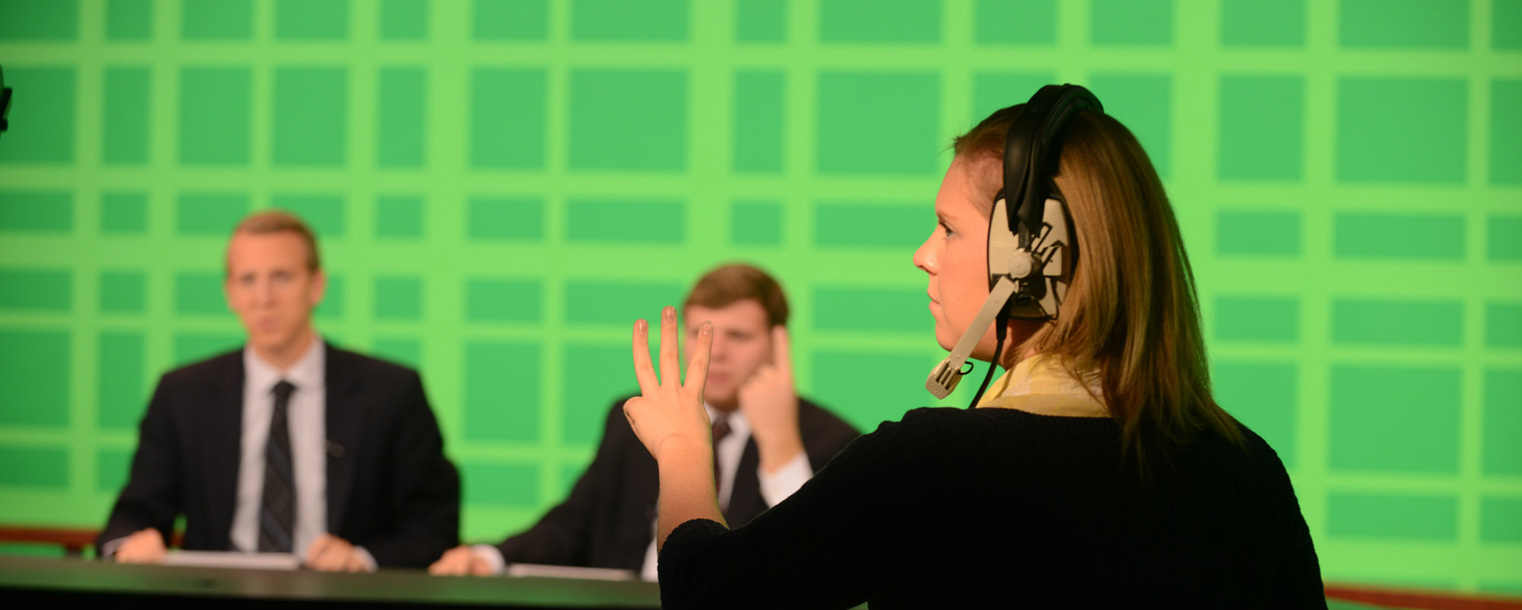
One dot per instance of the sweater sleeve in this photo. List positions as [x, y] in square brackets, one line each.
[841, 539]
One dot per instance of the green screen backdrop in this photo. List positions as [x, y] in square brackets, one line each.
[502, 186]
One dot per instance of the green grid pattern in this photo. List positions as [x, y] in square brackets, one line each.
[503, 185]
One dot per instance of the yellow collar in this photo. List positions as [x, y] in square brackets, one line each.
[1040, 385]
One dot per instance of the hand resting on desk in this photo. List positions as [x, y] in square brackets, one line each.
[143, 546]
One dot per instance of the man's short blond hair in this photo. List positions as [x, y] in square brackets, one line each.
[280, 221]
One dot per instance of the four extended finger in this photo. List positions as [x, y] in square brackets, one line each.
[697, 360]
[644, 371]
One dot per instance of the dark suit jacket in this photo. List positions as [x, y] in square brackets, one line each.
[389, 487]
[606, 521]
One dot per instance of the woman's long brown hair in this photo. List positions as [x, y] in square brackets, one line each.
[1131, 315]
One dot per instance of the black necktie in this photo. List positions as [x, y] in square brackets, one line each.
[277, 510]
[720, 430]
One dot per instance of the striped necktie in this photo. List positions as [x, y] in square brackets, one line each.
[277, 509]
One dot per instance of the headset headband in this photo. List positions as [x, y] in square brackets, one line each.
[1029, 159]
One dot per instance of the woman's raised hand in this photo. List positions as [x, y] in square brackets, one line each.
[668, 411]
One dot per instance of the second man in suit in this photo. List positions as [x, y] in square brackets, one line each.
[767, 443]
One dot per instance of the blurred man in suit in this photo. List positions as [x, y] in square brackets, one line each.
[288, 445]
[767, 443]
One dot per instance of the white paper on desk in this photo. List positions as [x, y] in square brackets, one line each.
[216, 559]
[535, 569]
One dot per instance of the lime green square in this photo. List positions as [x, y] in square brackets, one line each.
[401, 117]
[615, 112]
[37, 467]
[111, 469]
[1262, 127]
[1263, 23]
[1413, 322]
[995, 90]
[1503, 238]
[311, 116]
[1394, 517]
[1247, 318]
[1263, 396]
[898, 382]
[759, 120]
[879, 122]
[196, 346]
[588, 397]
[626, 221]
[1506, 25]
[214, 115]
[1506, 130]
[502, 391]
[1131, 22]
[123, 291]
[880, 21]
[1503, 325]
[1403, 24]
[123, 212]
[324, 213]
[405, 350]
[35, 290]
[129, 20]
[897, 227]
[398, 298]
[496, 300]
[618, 303]
[1501, 453]
[506, 218]
[1434, 149]
[199, 293]
[312, 19]
[511, 19]
[125, 121]
[1438, 237]
[1501, 520]
[34, 20]
[333, 299]
[35, 381]
[756, 223]
[122, 380]
[1399, 420]
[403, 19]
[498, 484]
[41, 117]
[507, 118]
[1016, 22]
[29, 211]
[1144, 103]
[1258, 233]
[209, 213]
[871, 310]
[399, 216]
[760, 20]
[620, 20]
[217, 19]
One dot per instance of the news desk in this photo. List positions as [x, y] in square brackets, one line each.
[37, 582]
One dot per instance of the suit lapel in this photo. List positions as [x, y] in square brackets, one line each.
[745, 500]
[343, 420]
[224, 448]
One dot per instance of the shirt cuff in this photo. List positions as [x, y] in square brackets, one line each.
[777, 486]
[493, 557]
[365, 558]
[108, 550]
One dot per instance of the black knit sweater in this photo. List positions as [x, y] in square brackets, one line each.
[999, 507]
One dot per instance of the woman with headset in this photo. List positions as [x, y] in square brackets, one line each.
[1098, 470]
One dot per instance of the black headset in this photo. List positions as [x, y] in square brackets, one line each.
[1031, 246]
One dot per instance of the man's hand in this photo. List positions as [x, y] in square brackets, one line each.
[330, 553]
[770, 404]
[143, 546]
[460, 561]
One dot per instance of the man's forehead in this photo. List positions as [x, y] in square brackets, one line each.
[744, 314]
[276, 250]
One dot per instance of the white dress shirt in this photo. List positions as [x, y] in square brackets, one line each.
[774, 487]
